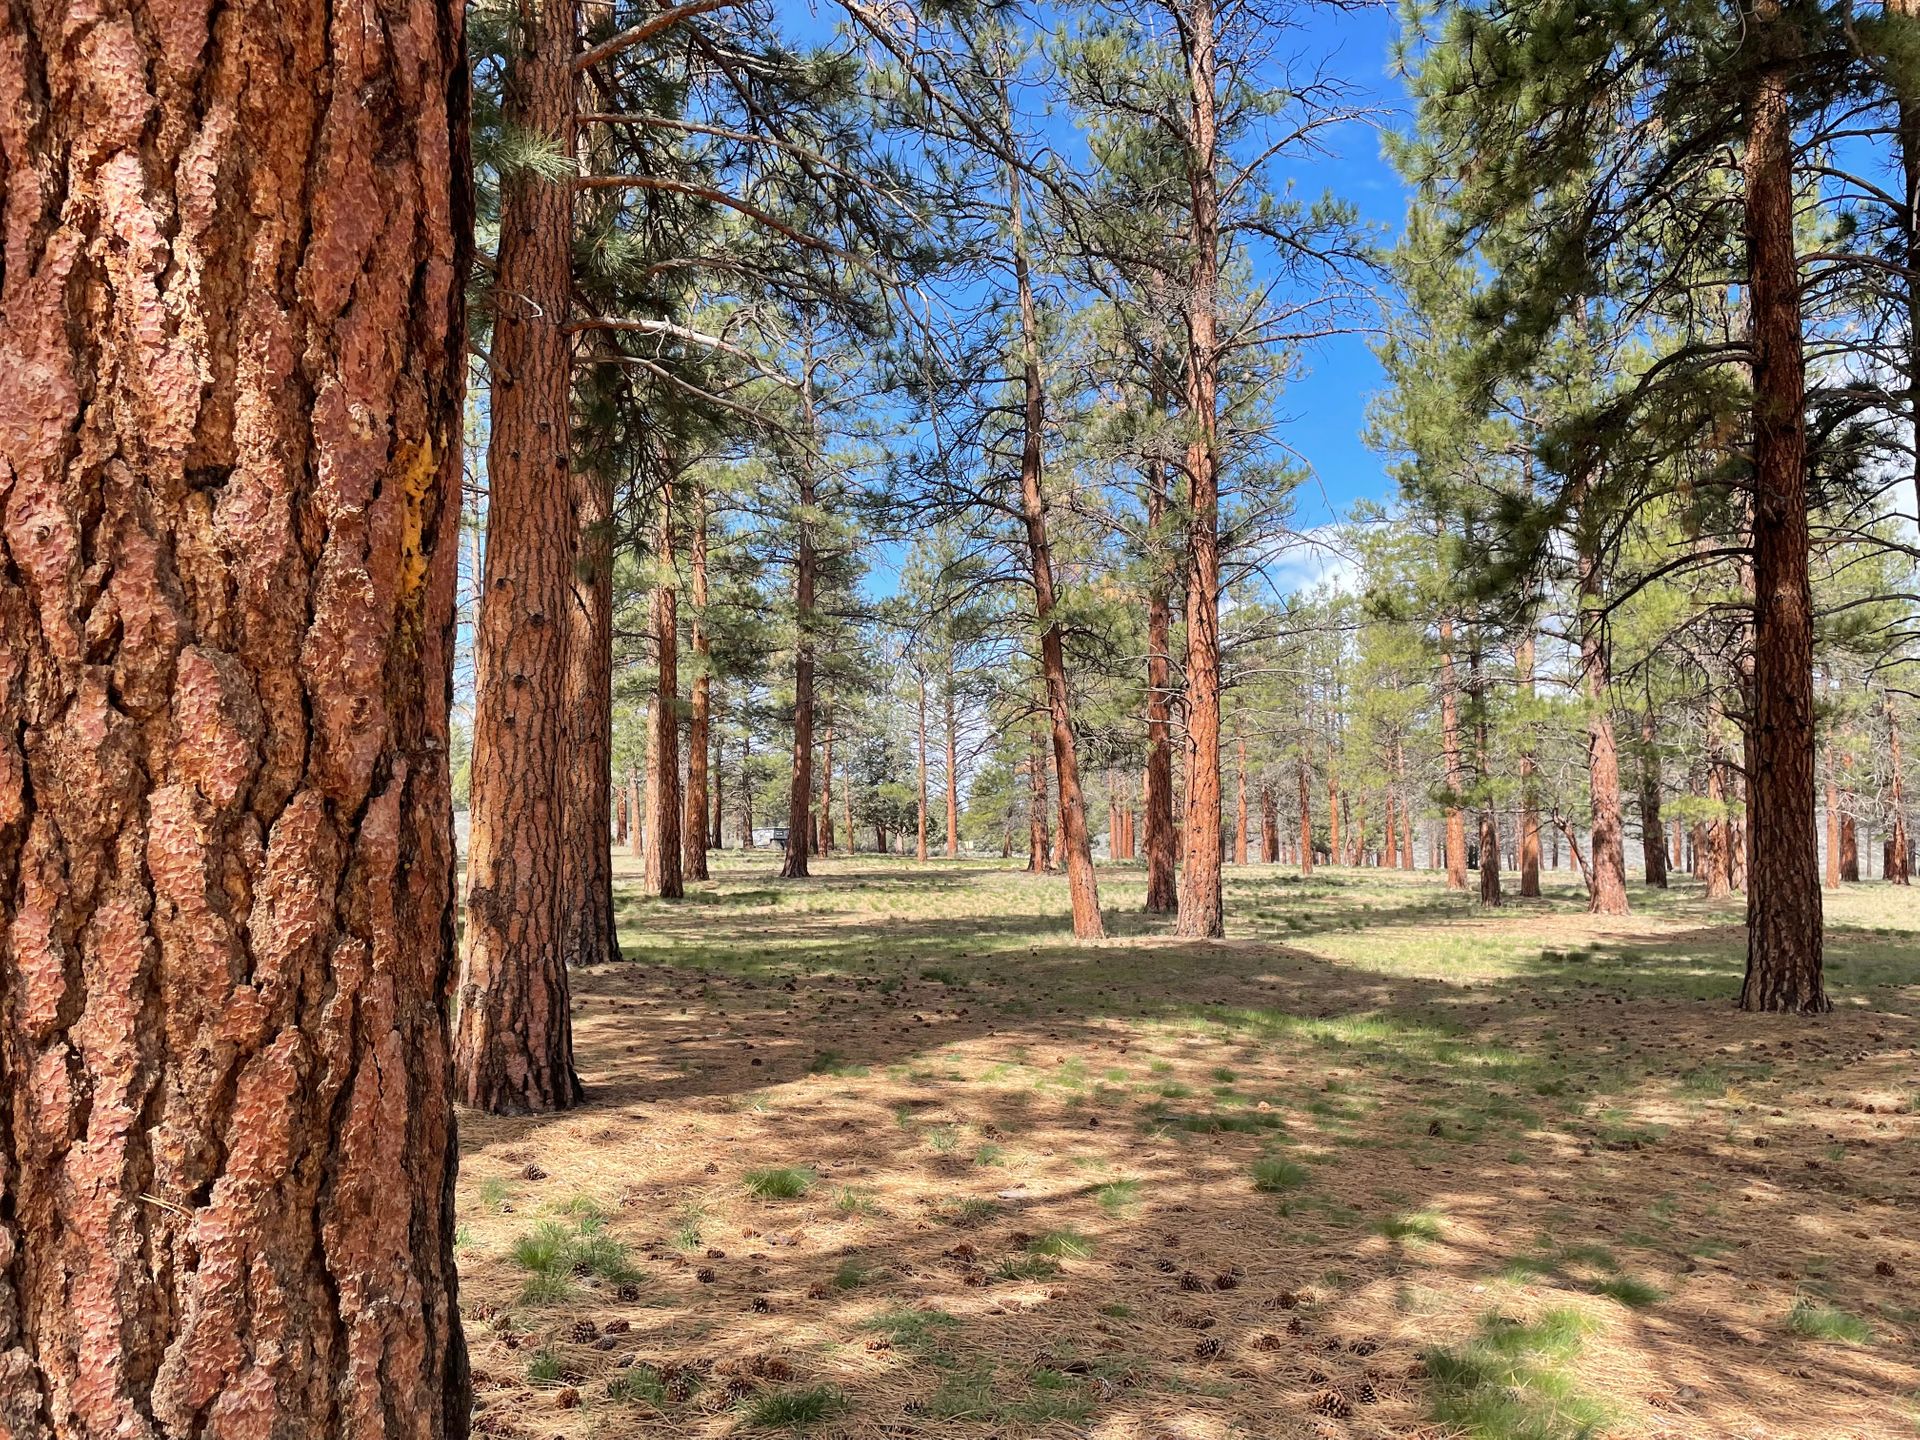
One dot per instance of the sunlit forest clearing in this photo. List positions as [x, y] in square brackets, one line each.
[892, 1156]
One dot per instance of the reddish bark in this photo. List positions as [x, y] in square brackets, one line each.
[231, 369]
[1075, 842]
[514, 1039]
[1833, 830]
[1038, 844]
[587, 890]
[1201, 913]
[663, 875]
[793, 866]
[1269, 824]
[1784, 960]
[1163, 894]
[637, 817]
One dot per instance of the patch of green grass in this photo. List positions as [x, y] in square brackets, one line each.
[1814, 1321]
[1510, 1381]
[795, 1408]
[543, 1368]
[779, 1182]
[686, 1234]
[494, 1195]
[555, 1252]
[832, 1062]
[943, 1138]
[1271, 1176]
[849, 1201]
[850, 1274]
[1061, 1245]
[1116, 1197]
[1026, 1267]
[969, 1211]
[1638, 1294]
[990, 1155]
[952, 979]
[1419, 1225]
[1050, 1398]
[638, 1384]
[915, 1330]
[1118, 1312]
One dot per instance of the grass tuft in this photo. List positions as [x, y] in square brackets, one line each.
[1813, 1321]
[1510, 1381]
[779, 1182]
[1271, 1176]
[795, 1408]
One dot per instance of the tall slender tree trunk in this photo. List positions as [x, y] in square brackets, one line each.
[637, 817]
[1833, 828]
[232, 356]
[1898, 868]
[1201, 911]
[1482, 761]
[664, 876]
[1529, 775]
[1784, 961]
[920, 847]
[1269, 824]
[1450, 749]
[1653, 836]
[1335, 855]
[1037, 842]
[1306, 819]
[746, 786]
[825, 828]
[620, 816]
[793, 865]
[1719, 833]
[1163, 894]
[1391, 857]
[1406, 805]
[717, 768]
[1240, 816]
[513, 1044]
[953, 766]
[693, 826]
[1607, 874]
[1082, 886]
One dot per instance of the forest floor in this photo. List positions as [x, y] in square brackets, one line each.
[885, 1154]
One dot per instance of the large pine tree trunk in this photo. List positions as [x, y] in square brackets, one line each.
[1450, 748]
[1607, 875]
[1201, 911]
[1163, 893]
[1269, 824]
[1082, 886]
[693, 826]
[824, 828]
[587, 905]
[514, 1039]
[231, 365]
[1783, 896]
[664, 876]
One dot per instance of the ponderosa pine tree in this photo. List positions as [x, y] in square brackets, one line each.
[231, 374]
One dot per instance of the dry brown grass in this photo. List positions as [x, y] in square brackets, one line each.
[1465, 1118]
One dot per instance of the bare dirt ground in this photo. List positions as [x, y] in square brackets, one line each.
[884, 1153]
